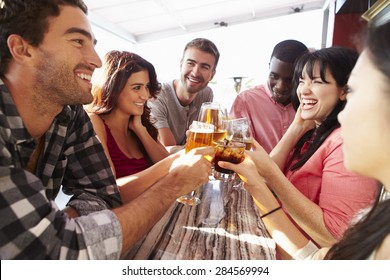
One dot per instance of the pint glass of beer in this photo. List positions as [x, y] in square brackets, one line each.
[210, 112]
[200, 135]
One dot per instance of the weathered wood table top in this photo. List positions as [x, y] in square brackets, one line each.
[225, 226]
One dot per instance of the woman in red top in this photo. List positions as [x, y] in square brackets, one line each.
[120, 115]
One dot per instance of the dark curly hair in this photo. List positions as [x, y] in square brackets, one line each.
[30, 20]
[289, 50]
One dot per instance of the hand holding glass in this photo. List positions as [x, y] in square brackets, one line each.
[200, 135]
[229, 151]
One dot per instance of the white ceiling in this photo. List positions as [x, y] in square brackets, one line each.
[147, 20]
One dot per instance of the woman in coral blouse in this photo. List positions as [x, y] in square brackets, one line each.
[309, 178]
[366, 135]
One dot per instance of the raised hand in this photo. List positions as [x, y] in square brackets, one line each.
[192, 169]
[246, 170]
[135, 124]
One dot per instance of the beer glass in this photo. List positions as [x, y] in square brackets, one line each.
[230, 151]
[200, 135]
[210, 112]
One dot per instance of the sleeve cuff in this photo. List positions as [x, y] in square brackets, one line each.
[86, 203]
[102, 235]
[306, 252]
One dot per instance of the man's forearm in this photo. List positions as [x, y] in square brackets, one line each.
[132, 186]
[138, 216]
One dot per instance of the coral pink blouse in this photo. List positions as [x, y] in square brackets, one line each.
[339, 192]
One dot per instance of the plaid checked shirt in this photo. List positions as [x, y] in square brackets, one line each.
[31, 225]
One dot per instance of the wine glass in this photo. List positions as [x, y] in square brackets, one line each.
[239, 130]
[200, 135]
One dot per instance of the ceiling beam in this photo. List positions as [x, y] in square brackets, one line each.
[171, 14]
[239, 19]
[107, 25]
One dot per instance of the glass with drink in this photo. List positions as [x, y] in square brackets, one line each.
[200, 135]
[230, 151]
[239, 130]
[210, 112]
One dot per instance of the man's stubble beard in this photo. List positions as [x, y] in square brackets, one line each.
[191, 90]
[56, 83]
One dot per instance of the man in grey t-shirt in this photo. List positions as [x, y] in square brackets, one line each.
[179, 102]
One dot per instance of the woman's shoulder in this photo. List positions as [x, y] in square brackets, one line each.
[332, 146]
[96, 119]
[334, 139]
[98, 125]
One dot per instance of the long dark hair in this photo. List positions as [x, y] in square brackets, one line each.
[118, 66]
[365, 236]
[339, 61]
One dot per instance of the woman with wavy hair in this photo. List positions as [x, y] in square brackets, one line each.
[120, 115]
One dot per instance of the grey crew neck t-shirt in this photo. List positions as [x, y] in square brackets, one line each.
[167, 111]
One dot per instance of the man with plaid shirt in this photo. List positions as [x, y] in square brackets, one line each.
[47, 58]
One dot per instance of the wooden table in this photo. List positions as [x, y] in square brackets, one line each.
[225, 226]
